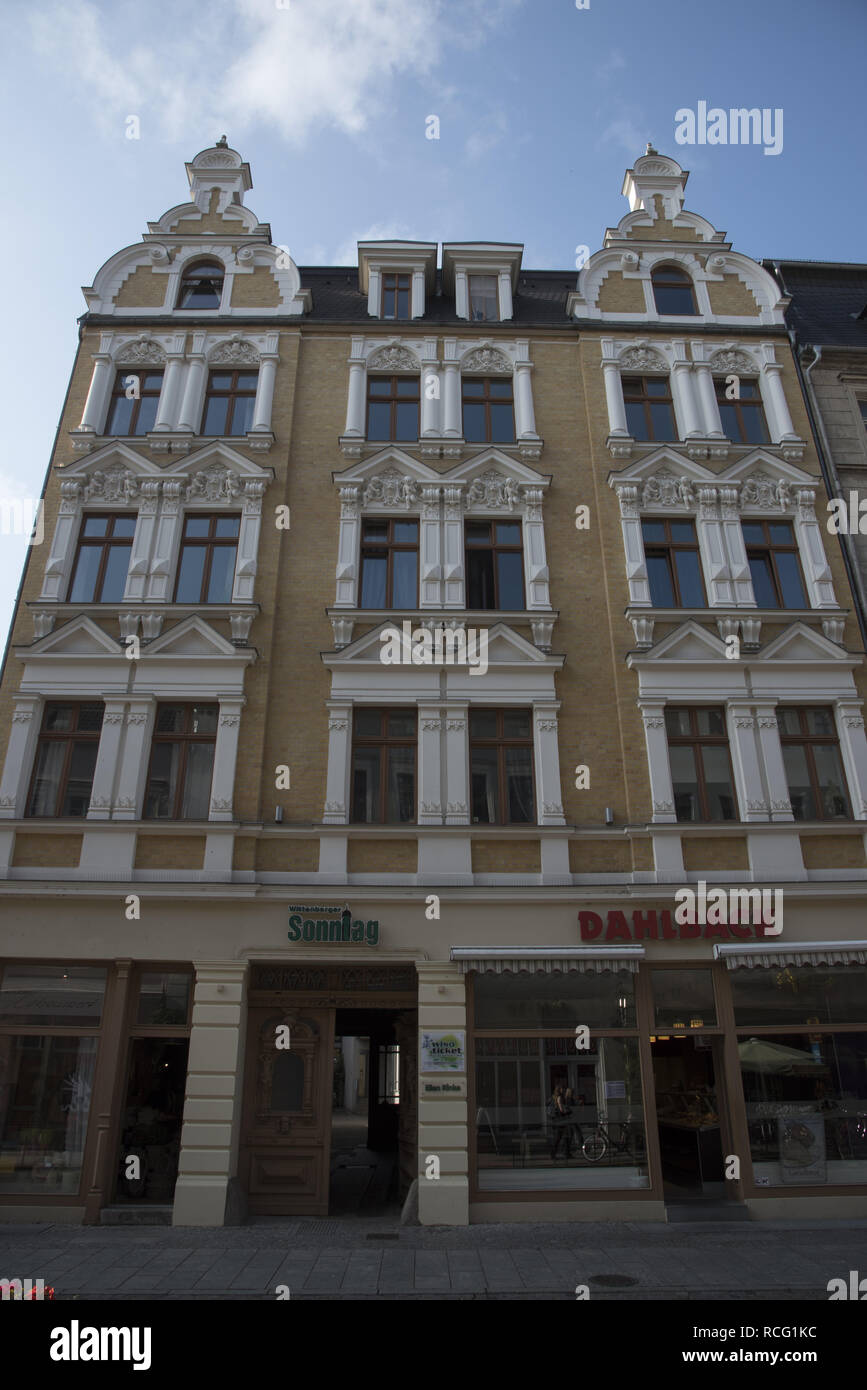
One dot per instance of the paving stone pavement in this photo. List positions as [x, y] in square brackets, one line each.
[358, 1259]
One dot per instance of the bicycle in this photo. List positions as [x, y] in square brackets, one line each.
[619, 1139]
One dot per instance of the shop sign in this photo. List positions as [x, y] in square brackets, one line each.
[455, 1088]
[660, 926]
[330, 926]
[443, 1051]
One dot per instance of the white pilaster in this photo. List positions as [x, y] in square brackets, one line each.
[93, 415]
[348, 548]
[453, 547]
[739, 565]
[134, 758]
[59, 563]
[457, 766]
[430, 558]
[656, 739]
[356, 425]
[685, 406]
[374, 292]
[817, 571]
[452, 422]
[20, 752]
[264, 394]
[430, 422]
[168, 405]
[462, 296]
[442, 1122]
[143, 540]
[430, 724]
[772, 759]
[417, 300]
[190, 417]
[853, 751]
[750, 789]
[505, 286]
[248, 541]
[525, 419]
[225, 759]
[775, 403]
[707, 401]
[535, 558]
[614, 399]
[549, 803]
[633, 543]
[166, 546]
[339, 764]
[107, 761]
[712, 547]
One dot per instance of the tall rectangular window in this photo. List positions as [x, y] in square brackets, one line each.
[392, 407]
[501, 766]
[206, 566]
[229, 403]
[494, 558]
[814, 769]
[772, 553]
[134, 400]
[743, 419]
[383, 765]
[395, 296]
[649, 407]
[389, 564]
[65, 759]
[701, 772]
[488, 410]
[484, 298]
[673, 564]
[102, 559]
[182, 763]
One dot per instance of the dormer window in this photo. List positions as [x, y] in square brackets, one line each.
[392, 408]
[395, 296]
[672, 290]
[484, 302]
[201, 286]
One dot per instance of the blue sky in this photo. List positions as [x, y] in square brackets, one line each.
[541, 106]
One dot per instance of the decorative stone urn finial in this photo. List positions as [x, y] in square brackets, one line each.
[222, 143]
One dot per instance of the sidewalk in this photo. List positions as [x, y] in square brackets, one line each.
[354, 1259]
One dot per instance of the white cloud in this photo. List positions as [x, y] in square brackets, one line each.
[615, 62]
[347, 251]
[628, 134]
[488, 133]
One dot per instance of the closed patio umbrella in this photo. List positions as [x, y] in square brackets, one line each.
[756, 1054]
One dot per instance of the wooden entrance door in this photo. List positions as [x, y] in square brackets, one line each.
[285, 1153]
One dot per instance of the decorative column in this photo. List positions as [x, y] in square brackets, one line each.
[442, 1116]
[614, 398]
[707, 400]
[355, 421]
[190, 417]
[817, 571]
[685, 404]
[134, 757]
[633, 543]
[747, 765]
[107, 760]
[453, 546]
[431, 390]
[339, 763]
[535, 558]
[659, 765]
[374, 292]
[452, 424]
[264, 394]
[417, 295]
[225, 759]
[20, 750]
[774, 398]
[525, 419]
[430, 724]
[772, 760]
[62, 542]
[549, 805]
[430, 559]
[167, 541]
[169, 400]
[457, 766]
[100, 386]
[853, 750]
[348, 546]
[711, 544]
[505, 286]
[248, 540]
[206, 1191]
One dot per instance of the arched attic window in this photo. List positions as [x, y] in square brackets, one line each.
[673, 291]
[201, 286]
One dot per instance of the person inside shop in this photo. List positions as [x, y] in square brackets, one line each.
[558, 1115]
[573, 1103]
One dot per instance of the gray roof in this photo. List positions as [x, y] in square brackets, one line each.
[540, 299]
[829, 301]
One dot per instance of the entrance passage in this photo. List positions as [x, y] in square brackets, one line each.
[150, 1138]
[365, 1118]
[687, 1111]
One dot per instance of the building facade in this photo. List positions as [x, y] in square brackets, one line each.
[405, 639]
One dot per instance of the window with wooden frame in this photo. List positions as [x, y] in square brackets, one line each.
[673, 291]
[392, 408]
[494, 557]
[201, 286]
[484, 299]
[488, 410]
[65, 758]
[673, 564]
[701, 771]
[384, 753]
[501, 767]
[135, 397]
[814, 768]
[181, 763]
[389, 563]
[102, 558]
[775, 565]
[649, 408]
[229, 403]
[743, 418]
[396, 291]
[206, 565]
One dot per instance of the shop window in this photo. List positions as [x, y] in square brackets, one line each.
[68, 996]
[683, 1000]
[701, 773]
[206, 565]
[494, 556]
[182, 763]
[201, 286]
[743, 419]
[164, 997]
[501, 767]
[102, 559]
[772, 552]
[484, 298]
[384, 766]
[134, 401]
[601, 999]
[229, 403]
[550, 1117]
[806, 1104]
[65, 760]
[673, 291]
[389, 564]
[649, 408]
[395, 295]
[673, 564]
[46, 1095]
[814, 769]
[799, 994]
[488, 410]
[392, 408]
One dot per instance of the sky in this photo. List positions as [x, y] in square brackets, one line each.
[541, 106]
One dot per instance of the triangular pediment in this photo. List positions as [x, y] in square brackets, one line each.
[506, 647]
[689, 642]
[663, 460]
[760, 461]
[802, 643]
[191, 638]
[79, 637]
[218, 453]
[114, 456]
[494, 461]
[387, 462]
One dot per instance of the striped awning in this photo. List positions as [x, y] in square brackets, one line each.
[771, 954]
[545, 960]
